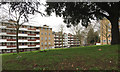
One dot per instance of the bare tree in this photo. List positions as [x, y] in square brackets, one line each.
[19, 14]
[62, 33]
[77, 31]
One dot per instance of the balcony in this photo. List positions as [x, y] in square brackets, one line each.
[32, 34]
[37, 44]
[10, 46]
[2, 27]
[11, 33]
[31, 28]
[31, 45]
[11, 27]
[31, 39]
[11, 39]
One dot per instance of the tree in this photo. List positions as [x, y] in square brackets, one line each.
[92, 37]
[61, 33]
[77, 31]
[87, 11]
[97, 37]
[19, 14]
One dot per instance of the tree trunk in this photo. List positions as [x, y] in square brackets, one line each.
[17, 30]
[62, 40]
[115, 29]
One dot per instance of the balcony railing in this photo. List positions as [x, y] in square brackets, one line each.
[32, 34]
[31, 45]
[10, 46]
[11, 33]
[31, 39]
[37, 44]
[11, 27]
[31, 28]
[11, 39]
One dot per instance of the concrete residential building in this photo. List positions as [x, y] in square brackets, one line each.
[58, 40]
[73, 40]
[29, 37]
[68, 40]
[105, 31]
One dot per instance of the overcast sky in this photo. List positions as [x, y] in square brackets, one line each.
[52, 21]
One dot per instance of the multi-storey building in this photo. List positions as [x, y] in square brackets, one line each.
[73, 40]
[29, 37]
[58, 40]
[105, 31]
[46, 37]
[68, 40]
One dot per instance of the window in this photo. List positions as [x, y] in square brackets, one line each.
[37, 33]
[3, 44]
[45, 47]
[45, 38]
[22, 43]
[8, 44]
[45, 43]
[49, 38]
[3, 24]
[41, 33]
[108, 24]
[32, 27]
[14, 43]
[23, 32]
[49, 29]
[0, 44]
[104, 40]
[49, 43]
[3, 30]
[45, 28]
[8, 37]
[0, 37]
[41, 38]
[28, 26]
[45, 33]
[42, 43]
[49, 33]
[32, 38]
[41, 28]
[3, 37]
[41, 48]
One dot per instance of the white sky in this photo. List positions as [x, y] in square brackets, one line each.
[52, 21]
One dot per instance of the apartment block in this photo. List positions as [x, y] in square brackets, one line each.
[60, 39]
[73, 40]
[29, 37]
[68, 40]
[105, 31]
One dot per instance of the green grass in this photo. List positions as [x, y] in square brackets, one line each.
[81, 58]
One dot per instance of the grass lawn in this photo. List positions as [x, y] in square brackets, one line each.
[77, 58]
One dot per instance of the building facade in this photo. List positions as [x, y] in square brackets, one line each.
[69, 40]
[105, 31]
[46, 38]
[29, 37]
[73, 40]
[59, 40]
